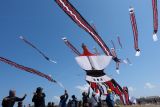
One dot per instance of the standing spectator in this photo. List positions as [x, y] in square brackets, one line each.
[74, 102]
[39, 98]
[110, 98]
[85, 99]
[20, 104]
[52, 104]
[49, 104]
[69, 103]
[80, 104]
[63, 99]
[94, 100]
[29, 105]
[10, 100]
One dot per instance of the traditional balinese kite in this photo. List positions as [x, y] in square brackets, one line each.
[79, 20]
[155, 19]
[71, 46]
[30, 44]
[135, 31]
[30, 70]
[119, 42]
[94, 66]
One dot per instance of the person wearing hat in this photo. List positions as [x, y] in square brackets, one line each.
[11, 99]
[110, 98]
[74, 102]
[39, 98]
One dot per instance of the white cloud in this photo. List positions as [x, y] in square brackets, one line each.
[131, 89]
[83, 88]
[149, 85]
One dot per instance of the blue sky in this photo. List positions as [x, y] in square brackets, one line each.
[44, 24]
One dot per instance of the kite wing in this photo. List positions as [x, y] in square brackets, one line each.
[30, 70]
[79, 20]
[97, 62]
[71, 46]
[155, 19]
[135, 31]
[27, 42]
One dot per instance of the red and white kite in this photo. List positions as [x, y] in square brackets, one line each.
[71, 11]
[135, 31]
[94, 66]
[30, 70]
[71, 46]
[115, 58]
[155, 19]
[30, 44]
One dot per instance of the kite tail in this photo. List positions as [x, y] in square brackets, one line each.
[125, 61]
[116, 59]
[30, 70]
[113, 44]
[155, 19]
[71, 46]
[119, 42]
[155, 38]
[138, 52]
[60, 84]
[129, 61]
[52, 61]
[135, 30]
[71, 11]
[117, 67]
[30, 44]
[113, 52]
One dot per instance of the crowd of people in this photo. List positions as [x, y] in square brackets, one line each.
[39, 100]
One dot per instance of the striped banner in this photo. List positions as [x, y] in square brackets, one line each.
[71, 46]
[30, 70]
[71, 11]
[30, 44]
[135, 30]
[155, 19]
